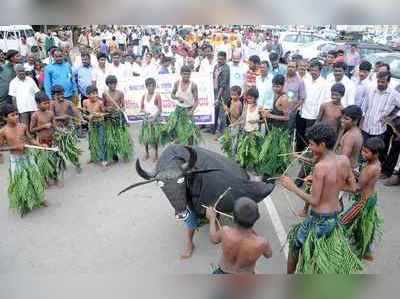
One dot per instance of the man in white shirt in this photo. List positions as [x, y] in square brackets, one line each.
[119, 70]
[22, 90]
[208, 63]
[362, 82]
[264, 87]
[100, 73]
[338, 76]
[318, 92]
[225, 47]
[238, 70]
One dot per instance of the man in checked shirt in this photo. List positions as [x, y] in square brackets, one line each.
[380, 103]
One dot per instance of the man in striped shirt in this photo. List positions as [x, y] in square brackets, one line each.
[380, 103]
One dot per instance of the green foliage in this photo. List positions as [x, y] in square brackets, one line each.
[181, 128]
[27, 186]
[51, 165]
[365, 228]
[118, 141]
[273, 159]
[150, 133]
[328, 255]
[248, 150]
[67, 142]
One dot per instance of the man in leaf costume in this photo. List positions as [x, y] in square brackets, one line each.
[26, 188]
[362, 219]
[319, 243]
[180, 127]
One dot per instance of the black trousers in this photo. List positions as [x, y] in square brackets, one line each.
[391, 160]
[302, 125]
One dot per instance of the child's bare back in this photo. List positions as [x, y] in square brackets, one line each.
[241, 250]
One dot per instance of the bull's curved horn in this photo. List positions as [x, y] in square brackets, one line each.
[192, 159]
[136, 185]
[144, 174]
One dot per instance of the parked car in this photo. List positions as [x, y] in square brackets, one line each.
[293, 41]
[329, 34]
[393, 59]
[10, 37]
[371, 48]
[317, 49]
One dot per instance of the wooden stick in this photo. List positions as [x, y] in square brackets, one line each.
[51, 149]
[290, 164]
[288, 154]
[218, 212]
[278, 177]
[221, 196]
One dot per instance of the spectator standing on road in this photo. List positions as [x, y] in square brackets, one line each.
[327, 69]
[352, 60]
[338, 76]
[22, 90]
[60, 73]
[362, 82]
[221, 76]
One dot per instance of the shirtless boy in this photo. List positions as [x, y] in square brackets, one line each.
[63, 110]
[43, 122]
[363, 215]
[241, 246]
[113, 99]
[352, 140]
[331, 174]
[28, 194]
[331, 112]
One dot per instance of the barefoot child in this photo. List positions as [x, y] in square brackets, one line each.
[65, 136]
[151, 131]
[319, 244]
[362, 220]
[241, 246]
[180, 126]
[250, 141]
[352, 140]
[94, 109]
[331, 112]
[51, 164]
[118, 140]
[230, 138]
[26, 188]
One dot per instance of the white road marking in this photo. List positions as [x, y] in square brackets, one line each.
[277, 223]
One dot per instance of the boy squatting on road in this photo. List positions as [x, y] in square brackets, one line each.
[241, 246]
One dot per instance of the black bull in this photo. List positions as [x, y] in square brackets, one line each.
[195, 176]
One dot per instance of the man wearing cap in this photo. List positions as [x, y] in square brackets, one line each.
[241, 246]
[22, 90]
[60, 73]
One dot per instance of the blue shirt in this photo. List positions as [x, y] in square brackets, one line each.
[83, 76]
[280, 70]
[59, 74]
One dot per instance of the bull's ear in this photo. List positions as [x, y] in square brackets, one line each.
[192, 159]
[203, 171]
[144, 174]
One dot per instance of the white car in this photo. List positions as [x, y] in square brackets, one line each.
[292, 42]
[10, 37]
[315, 49]
[328, 34]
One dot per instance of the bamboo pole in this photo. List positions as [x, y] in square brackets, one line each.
[218, 212]
[51, 149]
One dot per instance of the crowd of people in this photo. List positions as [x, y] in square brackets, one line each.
[340, 113]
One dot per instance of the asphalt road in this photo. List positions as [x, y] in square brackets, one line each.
[87, 229]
